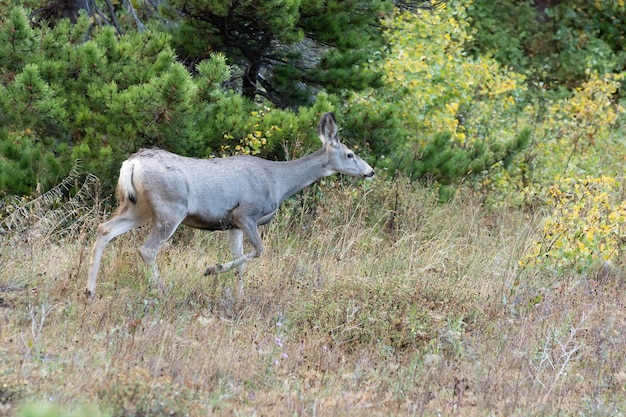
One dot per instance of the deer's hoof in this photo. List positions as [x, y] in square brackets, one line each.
[89, 294]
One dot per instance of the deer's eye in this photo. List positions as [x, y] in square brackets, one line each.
[350, 155]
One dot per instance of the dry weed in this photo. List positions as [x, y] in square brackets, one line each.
[368, 301]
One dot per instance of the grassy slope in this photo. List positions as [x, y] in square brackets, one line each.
[349, 312]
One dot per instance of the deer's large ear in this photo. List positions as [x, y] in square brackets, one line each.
[327, 129]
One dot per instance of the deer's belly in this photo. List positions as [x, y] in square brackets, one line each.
[208, 224]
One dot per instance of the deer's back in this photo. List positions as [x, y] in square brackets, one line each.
[208, 190]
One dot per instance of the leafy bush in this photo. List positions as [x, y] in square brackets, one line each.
[555, 43]
[585, 228]
[98, 100]
[455, 111]
[575, 136]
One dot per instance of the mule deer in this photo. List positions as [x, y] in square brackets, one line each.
[237, 193]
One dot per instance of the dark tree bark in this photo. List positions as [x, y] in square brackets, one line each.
[71, 9]
[64, 9]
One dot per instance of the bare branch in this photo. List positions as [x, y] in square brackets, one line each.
[140, 26]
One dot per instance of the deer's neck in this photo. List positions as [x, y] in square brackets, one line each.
[293, 176]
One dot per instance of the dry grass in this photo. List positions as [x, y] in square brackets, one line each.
[367, 302]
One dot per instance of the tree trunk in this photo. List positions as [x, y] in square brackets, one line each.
[65, 9]
[250, 79]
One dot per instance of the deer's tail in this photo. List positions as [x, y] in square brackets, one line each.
[126, 188]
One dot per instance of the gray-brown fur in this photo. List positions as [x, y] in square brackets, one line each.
[237, 194]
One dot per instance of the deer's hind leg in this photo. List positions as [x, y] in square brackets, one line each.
[163, 228]
[249, 228]
[107, 231]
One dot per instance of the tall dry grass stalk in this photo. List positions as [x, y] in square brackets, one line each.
[374, 300]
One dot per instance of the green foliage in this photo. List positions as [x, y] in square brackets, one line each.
[572, 137]
[554, 42]
[96, 101]
[352, 27]
[442, 161]
[576, 148]
[285, 50]
[243, 127]
[25, 163]
[503, 29]
[101, 99]
[455, 112]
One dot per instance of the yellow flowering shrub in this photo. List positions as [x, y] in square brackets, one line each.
[439, 87]
[585, 228]
[577, 129]
[577, 136]
[452, 110]
[254, 140]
